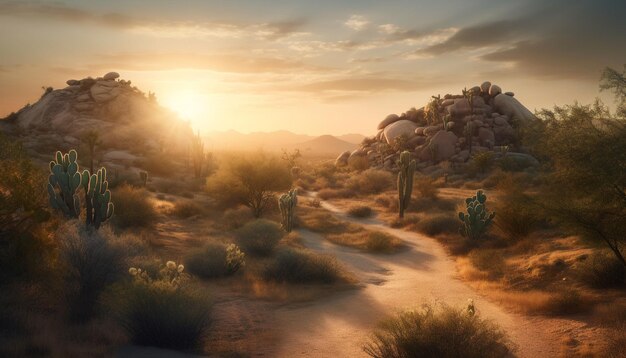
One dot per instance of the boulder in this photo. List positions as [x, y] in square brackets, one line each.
[509, 94]
[415, 141]
[486, 136]
[447, 102]
[431, 130]
[342, 159]
[419, 130]
[111, 76]
[104, 91]
[501, 121]
[72, 82]
[494, 90]
[388, 120]
[484, 87]
[461, 107]
[523, 158]
[504, 134]
[400, 128]
[513, 108]
[445, 142]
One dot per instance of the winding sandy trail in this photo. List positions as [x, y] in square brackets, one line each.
[338, 326]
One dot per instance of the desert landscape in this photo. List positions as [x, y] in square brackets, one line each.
[264, 203]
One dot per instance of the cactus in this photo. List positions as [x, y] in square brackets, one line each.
[63, 182]
[433, 110]
[469, 128]
[405, 180]
[143, 175]
[477, 220]
[287, 204]
[99, 207]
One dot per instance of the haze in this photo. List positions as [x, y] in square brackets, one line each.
[311, 67]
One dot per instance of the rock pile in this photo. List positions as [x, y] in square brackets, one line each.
[446, 129]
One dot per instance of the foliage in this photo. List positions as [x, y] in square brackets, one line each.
[482, 162]
[300, 266]
[378, 241]
[602, 270]
[447, 332]
[215, 260]
[259, 237]
[133, 208]
[370, 181]
[433, 109]
[425, 186]
[91, 263]
[405, 181]
[518, 213]
[250, 180]
[477, 220]
[586, 188]
[360, 211]
[291, 158]
[287, 204]
[164, 311]
[613, 80]
[437, 224]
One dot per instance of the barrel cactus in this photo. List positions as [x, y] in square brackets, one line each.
[287, 204]
[477, 220]
[99, 207]
[405, 180]
[63, 182]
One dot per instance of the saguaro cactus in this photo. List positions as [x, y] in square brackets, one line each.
[477, 220]
[63, 181]
[143, 176]
[405, 180]
[287, 204]
[99, 207]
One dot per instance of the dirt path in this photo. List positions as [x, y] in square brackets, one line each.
[339, 325]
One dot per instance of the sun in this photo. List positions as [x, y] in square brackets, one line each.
[188, 105]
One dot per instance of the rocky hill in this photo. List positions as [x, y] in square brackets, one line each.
[129, 124]
[449, 128]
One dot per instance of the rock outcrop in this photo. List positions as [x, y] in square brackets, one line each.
[484, 118]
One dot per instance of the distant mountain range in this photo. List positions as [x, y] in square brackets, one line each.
[274, 141]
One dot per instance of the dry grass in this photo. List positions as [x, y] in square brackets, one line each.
[370, 241]
[299, 266]
[185, 209]
[437, 224]
[326, 194]
[323, 222]
[360, 211]
[370, 181]
[133, 208]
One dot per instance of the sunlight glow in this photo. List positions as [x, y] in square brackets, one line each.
[189, 105]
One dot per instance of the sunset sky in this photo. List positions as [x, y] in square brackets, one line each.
[312, 67]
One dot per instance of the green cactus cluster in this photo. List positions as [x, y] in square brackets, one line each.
[287, 204]
[405, 181]
[99, 207]
[477, 220]
[64, 181]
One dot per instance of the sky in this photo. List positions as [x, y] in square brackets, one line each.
[313, 67]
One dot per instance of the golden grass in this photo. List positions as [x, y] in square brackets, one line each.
[370, 241]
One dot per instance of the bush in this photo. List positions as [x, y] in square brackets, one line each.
[259, 237]
[370, 181]
[326, 194]
[133, 208]
[438, 224]
[299, 266]
[236, 217]
[215, 260]
[360, 211]
[425, 186]
[482, 162]
[186, 209]
[91, 264]
[165, 313]
[490, 261]
[445, 333]
[602, 270]
[517, 216]
[381, 242]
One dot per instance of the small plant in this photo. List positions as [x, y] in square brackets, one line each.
[301, 266]
[235, 259]
[405, 181]
[477, 220]
[63, 182]
[287, 204]
[164, 311]
[215, 260]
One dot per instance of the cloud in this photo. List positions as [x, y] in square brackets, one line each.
[158, 27]
[357, 22]
[364, 84]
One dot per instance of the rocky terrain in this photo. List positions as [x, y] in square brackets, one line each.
[128, 124]
[449, 128]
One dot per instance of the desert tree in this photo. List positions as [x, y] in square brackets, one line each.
[614, 81]
[586, 182]
[251, 180]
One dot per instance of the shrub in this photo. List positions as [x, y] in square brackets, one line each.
[425, 186]
[448, 332]
[602, 270]
[490, 261]
[437, 224]
[517, 215]
[236, 217]
[165, 312]
[370, 181]
[186, 209]
[91, 264]
[482, 162]
[215, 260]
[300, 266]
[326, 194]
[381, 242]
[259, 237]
[358, 163]
[133, 208]
[360, 211]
